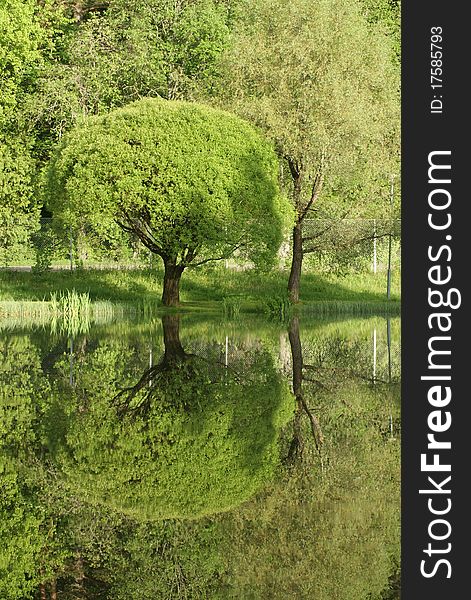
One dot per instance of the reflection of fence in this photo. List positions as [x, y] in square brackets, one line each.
[363, 244]
[372, 356]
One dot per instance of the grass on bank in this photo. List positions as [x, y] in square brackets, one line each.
[215, 289]
[64, 312]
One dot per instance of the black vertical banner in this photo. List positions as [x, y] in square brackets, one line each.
[436, 263]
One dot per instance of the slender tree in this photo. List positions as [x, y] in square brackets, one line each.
[321, 82]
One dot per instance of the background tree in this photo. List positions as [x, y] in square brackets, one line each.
[63, 59]
[116, 52]
[20, 61]
[321, 82]
[19, 211]
[192, 183]
[386, 14]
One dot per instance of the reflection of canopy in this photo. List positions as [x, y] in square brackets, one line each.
[183, 442]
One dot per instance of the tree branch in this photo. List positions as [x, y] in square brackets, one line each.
[318, 235]
[142, 230]
[223, 257]
[316, 189]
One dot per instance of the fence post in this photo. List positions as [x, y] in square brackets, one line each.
[374, 355]
[375, 267]
[71, 249]
[391, 198]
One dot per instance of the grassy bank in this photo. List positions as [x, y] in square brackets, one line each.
[207, 290]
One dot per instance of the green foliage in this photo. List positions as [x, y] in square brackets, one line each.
[189, 180]
[231, 306]
[27, 550]
[119, 52]
[279, 307]
[46, 245]
[21, 541]
[321, 83]
[19, 214]
[196, 439]
[72, 311]
[23, 394]
[19, 53]
[386, 13]
[168, 560]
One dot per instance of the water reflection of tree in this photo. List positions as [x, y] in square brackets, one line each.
[331, 525]
[336, 364]
[325, 534]
[298, 367]
[190, 437]
[176, 368]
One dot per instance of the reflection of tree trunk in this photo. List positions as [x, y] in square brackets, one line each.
[297, 445]
[174, 354]
[171, 287]
[297, 356]
[294, 281]
[174, 351]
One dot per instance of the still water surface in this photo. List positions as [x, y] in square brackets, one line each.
[199, 458]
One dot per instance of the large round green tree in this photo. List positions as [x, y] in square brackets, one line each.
[191, 182]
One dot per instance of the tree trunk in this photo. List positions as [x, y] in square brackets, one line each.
[297, 444]
[294, 281]
[171, 290]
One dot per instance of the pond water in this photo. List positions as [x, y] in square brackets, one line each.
[195, 457]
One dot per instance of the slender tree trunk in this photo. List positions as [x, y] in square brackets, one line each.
[171, 290]
[42, 590]
[294, 281]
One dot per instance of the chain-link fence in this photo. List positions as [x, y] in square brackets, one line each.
[329, 244]
[50, 247]
[353, 244]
